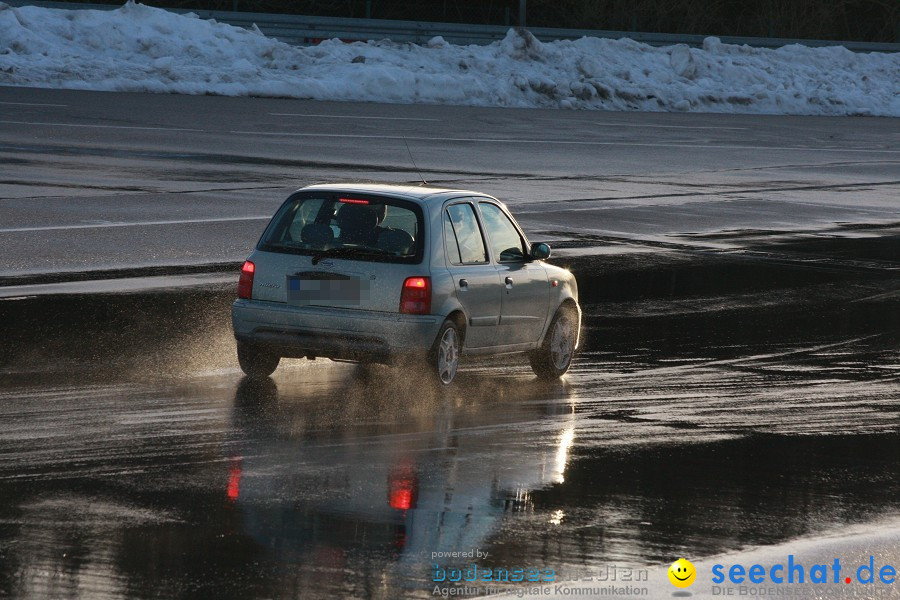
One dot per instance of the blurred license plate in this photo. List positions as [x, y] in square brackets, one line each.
[337, 290]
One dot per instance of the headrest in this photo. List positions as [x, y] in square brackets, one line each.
[396, 241]
[317, 234]
[356, 221]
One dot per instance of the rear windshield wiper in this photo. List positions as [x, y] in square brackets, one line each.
[349, 251]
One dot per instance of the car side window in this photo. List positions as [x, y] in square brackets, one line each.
[450, 241]
[506, 242]
[467, 245]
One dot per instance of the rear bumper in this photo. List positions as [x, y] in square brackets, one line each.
[297, 331]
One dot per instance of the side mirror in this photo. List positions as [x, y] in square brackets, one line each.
[540, 251]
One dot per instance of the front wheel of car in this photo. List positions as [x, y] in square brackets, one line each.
[554, 357]
[444, 359]
[256, 362]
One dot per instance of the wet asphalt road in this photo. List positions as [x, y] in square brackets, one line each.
[136, 461]
[136, 180]
[738, 387]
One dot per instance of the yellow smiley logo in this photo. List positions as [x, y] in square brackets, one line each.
[682, 573]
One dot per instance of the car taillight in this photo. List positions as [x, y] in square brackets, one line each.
[245, 283]
[403, 486]
[234, 480]
[401, 498]
[415, 299]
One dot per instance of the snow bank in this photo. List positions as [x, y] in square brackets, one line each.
[139, 48]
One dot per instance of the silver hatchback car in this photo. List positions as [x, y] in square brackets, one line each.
[396, 274]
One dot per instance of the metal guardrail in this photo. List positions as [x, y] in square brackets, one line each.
[305, 30]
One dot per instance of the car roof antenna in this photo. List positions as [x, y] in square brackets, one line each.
[414, 162]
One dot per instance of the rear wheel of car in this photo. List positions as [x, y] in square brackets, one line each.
[553, 358]
[444, 358]
[256, 362]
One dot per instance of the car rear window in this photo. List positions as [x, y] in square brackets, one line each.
[352, 226]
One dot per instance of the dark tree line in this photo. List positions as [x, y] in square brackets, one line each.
[857, 20]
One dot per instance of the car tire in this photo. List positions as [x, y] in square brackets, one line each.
[255, 362]
[553, 358]
[443, 360]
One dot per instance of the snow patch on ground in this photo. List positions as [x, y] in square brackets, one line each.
[143, 49]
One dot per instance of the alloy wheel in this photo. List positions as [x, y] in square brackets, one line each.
[448, 355]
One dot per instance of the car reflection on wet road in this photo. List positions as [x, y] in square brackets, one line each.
[683, 429]
[392, 489]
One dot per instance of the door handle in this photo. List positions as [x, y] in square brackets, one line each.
[464, 284]
[509, 281]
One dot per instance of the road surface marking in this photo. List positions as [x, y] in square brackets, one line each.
[670, 126]
[34, 104]
[352, 117]
[134, 224]
[567, 142]
[101, 126]
[125, 284]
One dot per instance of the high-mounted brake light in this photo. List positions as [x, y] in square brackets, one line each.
[245, 283]
[415, 299]
[353, 201]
